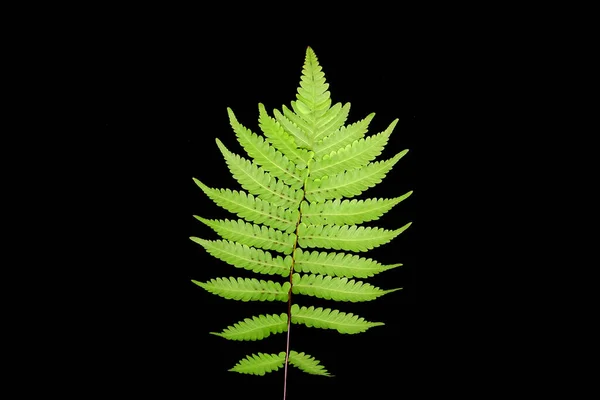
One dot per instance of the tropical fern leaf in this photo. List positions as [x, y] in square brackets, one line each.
[308, 364]
[348, 212]
[330, 319]
[252, 208]
[252, 234]
[259, 364]
[350, 183]
[246, 289]
[345, 237]
[268, 157]
[255, 328]
[250, 258]
[304, 166]
[338, 289]
[259, 182]
[338, 264]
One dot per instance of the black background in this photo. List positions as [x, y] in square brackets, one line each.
[166, 99]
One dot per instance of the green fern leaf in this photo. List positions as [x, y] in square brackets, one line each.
[251, 234]
[313, 97]
[242, 256]
[282, 140]
[252, 208]
[307, 364]
[355, 155]
[338, 264]
[338, 289]
[255, 328]
[345, 237]
[350, 183]
[246, 289]
[295, 182]
[259, 364]
[342, 137]
[330, 319]
[348, 212]
[259, 182]
[273, 161]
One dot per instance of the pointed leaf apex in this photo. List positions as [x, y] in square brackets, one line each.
[221, 146]
[231, 114]
[200, 184]
[201, 284]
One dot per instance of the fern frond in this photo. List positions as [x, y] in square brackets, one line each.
[260, 363]
[246, 289]
[255, 328]
[301, 138]
[252, 235]
[338, 264]
[282, 140]
[345, 237]
[342, 137]
[265, 155]
[355, 155]
[330, 319]
[348, 212]
[252, 208]
[242, 256]
[313, 97]
[297, 181]
[338, 289]
[259, 182]
[307, 363]
[350, 183]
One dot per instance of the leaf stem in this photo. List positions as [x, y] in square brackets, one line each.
[289, 312]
